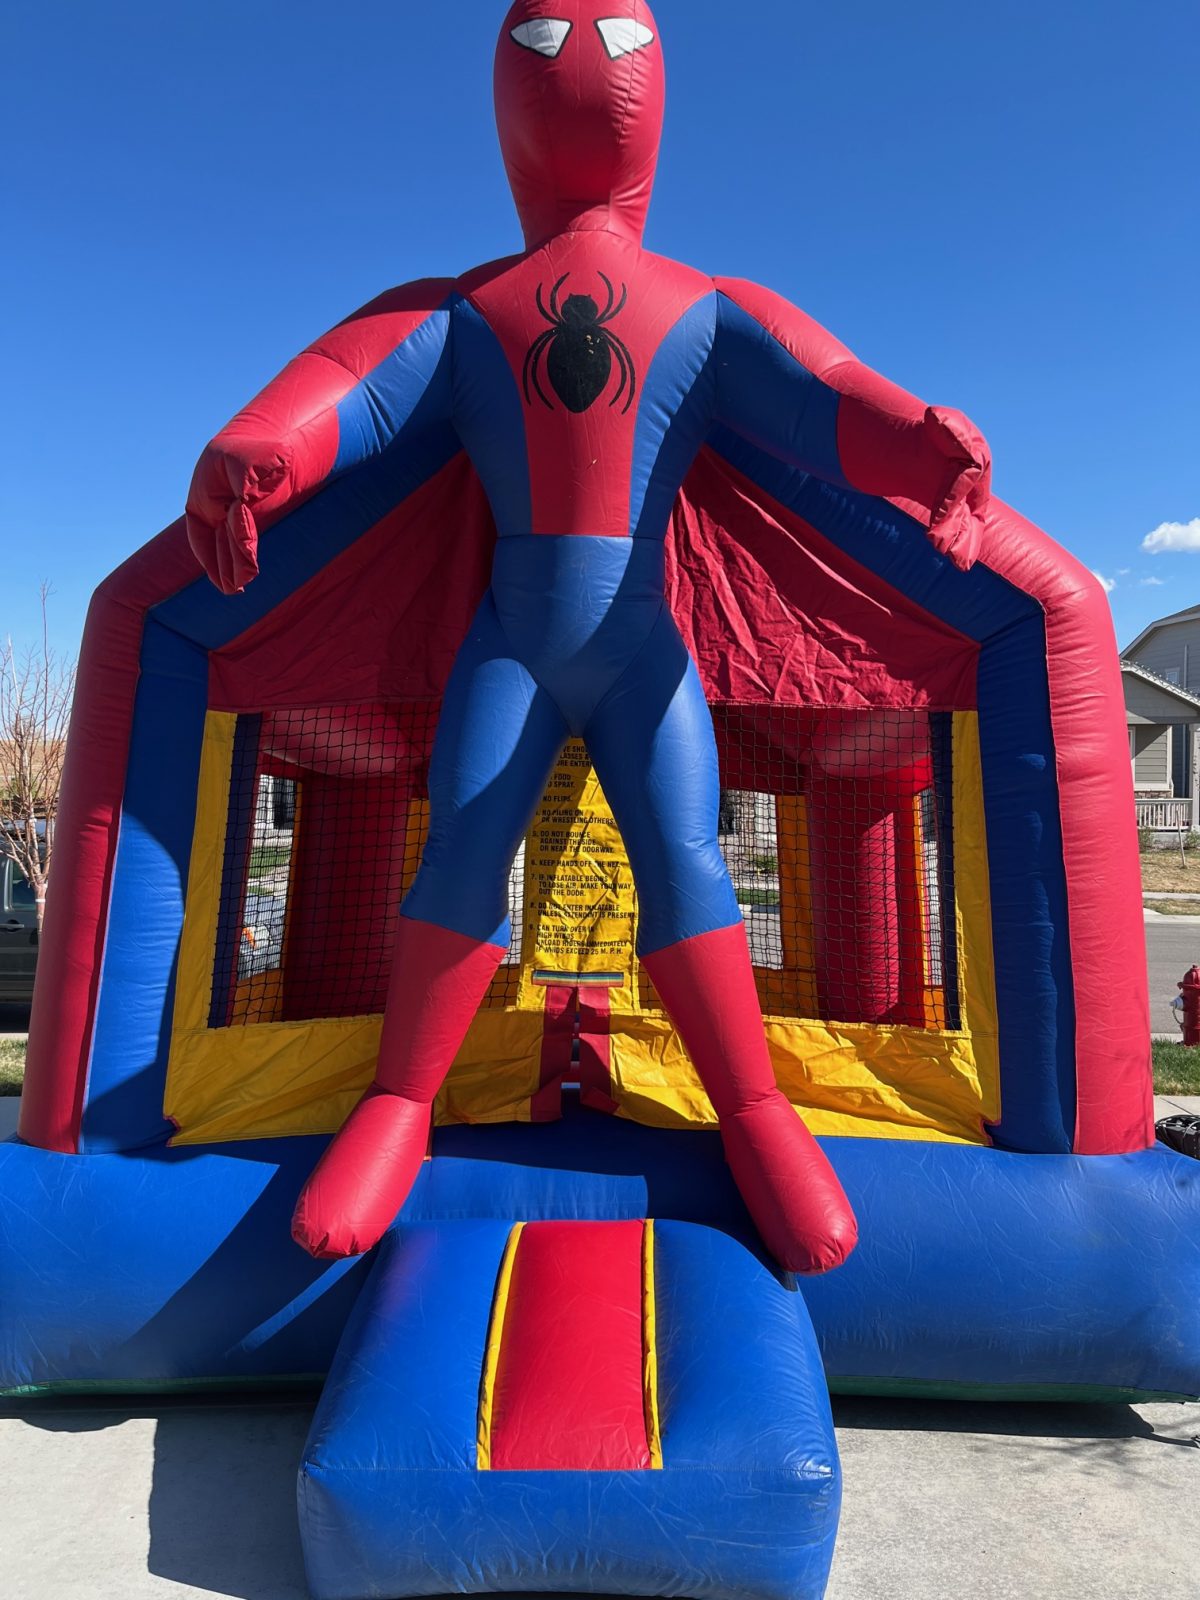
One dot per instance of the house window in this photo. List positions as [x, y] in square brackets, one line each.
[1171, 674]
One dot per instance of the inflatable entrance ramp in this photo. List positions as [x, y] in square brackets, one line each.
[636, 1404]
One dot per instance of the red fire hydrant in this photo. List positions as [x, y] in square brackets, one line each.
[1190, 990]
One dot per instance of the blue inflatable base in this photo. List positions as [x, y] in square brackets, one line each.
[743, 1507]
[979, 1272]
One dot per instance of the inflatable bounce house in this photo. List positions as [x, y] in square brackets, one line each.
[590, 737]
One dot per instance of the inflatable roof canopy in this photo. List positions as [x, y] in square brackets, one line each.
[926, 812]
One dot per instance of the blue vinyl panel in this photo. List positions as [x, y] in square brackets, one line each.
[976, 1266]
[136, 1000]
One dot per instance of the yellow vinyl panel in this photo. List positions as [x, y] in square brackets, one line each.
[650, 1348]
[491, 1356]
[278, 1078]
[852, 1078]
[861, 1079]
[580, 913]
[498, 1070]
[270, 1078]
[198, 941]
[258, 998]
[973, 903]
[795, 883]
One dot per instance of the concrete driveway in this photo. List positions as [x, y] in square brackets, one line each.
[178, 1501]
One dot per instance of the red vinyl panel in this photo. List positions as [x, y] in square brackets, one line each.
[72, 944]
[346, 885]
[595, 1052]
[736, 564]
[569, 1390]
[558, 1038]
[1115, 1096]
[382, 621]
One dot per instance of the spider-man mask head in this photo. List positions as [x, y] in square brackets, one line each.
[579, 106]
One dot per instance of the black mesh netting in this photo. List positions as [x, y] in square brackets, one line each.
[836, 825]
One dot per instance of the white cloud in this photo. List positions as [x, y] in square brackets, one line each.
[1123, 572]
[1107, 584]
[1173, 536]
[1151, 583]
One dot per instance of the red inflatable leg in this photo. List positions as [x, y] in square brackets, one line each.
[364, 1177]
[362, 1180]
[790, 1190]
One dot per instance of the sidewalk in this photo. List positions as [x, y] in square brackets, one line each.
[1169, 1105]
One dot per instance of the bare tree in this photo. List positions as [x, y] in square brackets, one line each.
[36, 687]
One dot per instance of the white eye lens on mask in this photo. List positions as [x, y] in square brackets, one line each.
[622, 35]
[545, 35]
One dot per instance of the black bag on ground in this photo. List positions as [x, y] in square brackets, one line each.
[1181, 1132]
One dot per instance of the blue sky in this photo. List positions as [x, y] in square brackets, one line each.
[996, 206]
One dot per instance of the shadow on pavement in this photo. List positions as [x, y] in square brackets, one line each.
[1045, 1420]
[222, 1509]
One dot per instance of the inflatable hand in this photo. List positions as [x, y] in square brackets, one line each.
[957, 526]
[235, 483]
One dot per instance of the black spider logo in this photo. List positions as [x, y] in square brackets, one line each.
[579, 350]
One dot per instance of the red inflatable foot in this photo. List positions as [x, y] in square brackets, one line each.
[790, 1190]
[364, 1177]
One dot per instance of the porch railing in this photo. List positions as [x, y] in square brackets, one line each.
[1166, 815]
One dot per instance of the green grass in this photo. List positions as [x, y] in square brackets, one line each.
[758, 897]
[12, 1065]
[1173, 908]
[1176, 1068]
[1164, 873]
[267, 857]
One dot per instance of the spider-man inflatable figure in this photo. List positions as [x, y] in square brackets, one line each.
[581, 377]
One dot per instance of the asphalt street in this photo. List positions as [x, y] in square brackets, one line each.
[1172, 946]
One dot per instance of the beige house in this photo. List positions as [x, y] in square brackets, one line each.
[1160, 716]
[1170, 649]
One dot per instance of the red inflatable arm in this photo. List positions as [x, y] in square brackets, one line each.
[283, 446]
[932, 460]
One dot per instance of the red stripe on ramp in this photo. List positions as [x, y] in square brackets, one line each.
[569, 1383]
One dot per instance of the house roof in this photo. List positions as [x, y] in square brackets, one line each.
[1136, 670]
[1188, 614]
